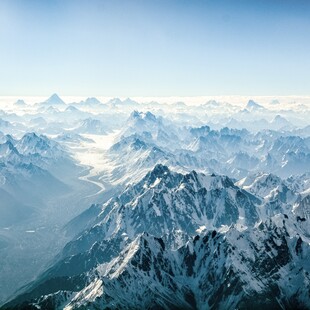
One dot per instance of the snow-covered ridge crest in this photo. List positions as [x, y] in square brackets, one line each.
[173, 205]
[174, 234]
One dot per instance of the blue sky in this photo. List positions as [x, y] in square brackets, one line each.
[155, 48]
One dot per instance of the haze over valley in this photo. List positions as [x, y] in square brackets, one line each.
[99, 197]
[154, 155]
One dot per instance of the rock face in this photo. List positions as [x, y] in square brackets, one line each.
[184, 241]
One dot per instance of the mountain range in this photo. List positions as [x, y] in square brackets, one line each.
[137, 204]
[186, 241]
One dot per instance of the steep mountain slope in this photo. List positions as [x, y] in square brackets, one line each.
[28, 175]
[35, 149]
[268, 186]
[226, 226]
[40, 191]
[232, 152]
[212, 271]
[157, 129]
[189, 241]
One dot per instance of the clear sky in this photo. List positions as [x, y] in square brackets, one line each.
[155, 48]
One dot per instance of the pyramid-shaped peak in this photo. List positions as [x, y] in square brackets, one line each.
[54, 99]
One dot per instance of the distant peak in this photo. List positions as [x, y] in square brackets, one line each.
[143, 115]
[150, 116]
[54, 99]
[20, 102]
[72, 109]
[135, 114]
[115, 101]
[212, 103]
[253, 105]
[91, 100]
[129, 101]
[30, 136]
[279, 118]
[180, 104]
[54, 96]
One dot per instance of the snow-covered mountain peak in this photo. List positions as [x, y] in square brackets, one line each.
[54, 100]
[147, 116]
[245, 266]
[160, 177]
[209, 182]
[252, 105]
[130, 102]
[135, 141]
[186, 237]
[92, 100]
[9, 138]
[138, 144]
[20, 103]
[268, 186]
[212, 104]
[279, 122]
[300, 183]
[200, 131]
[263, 179]
[73, 109]
[169, 222]
[52, 110]
[31, 138]
[274, 102]
[91, 126]
[141, 123]
[302, 209]
[31, 144]
[7, 148]
[279, 118]
[177, 200]
[161, 174]
[115, 102]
